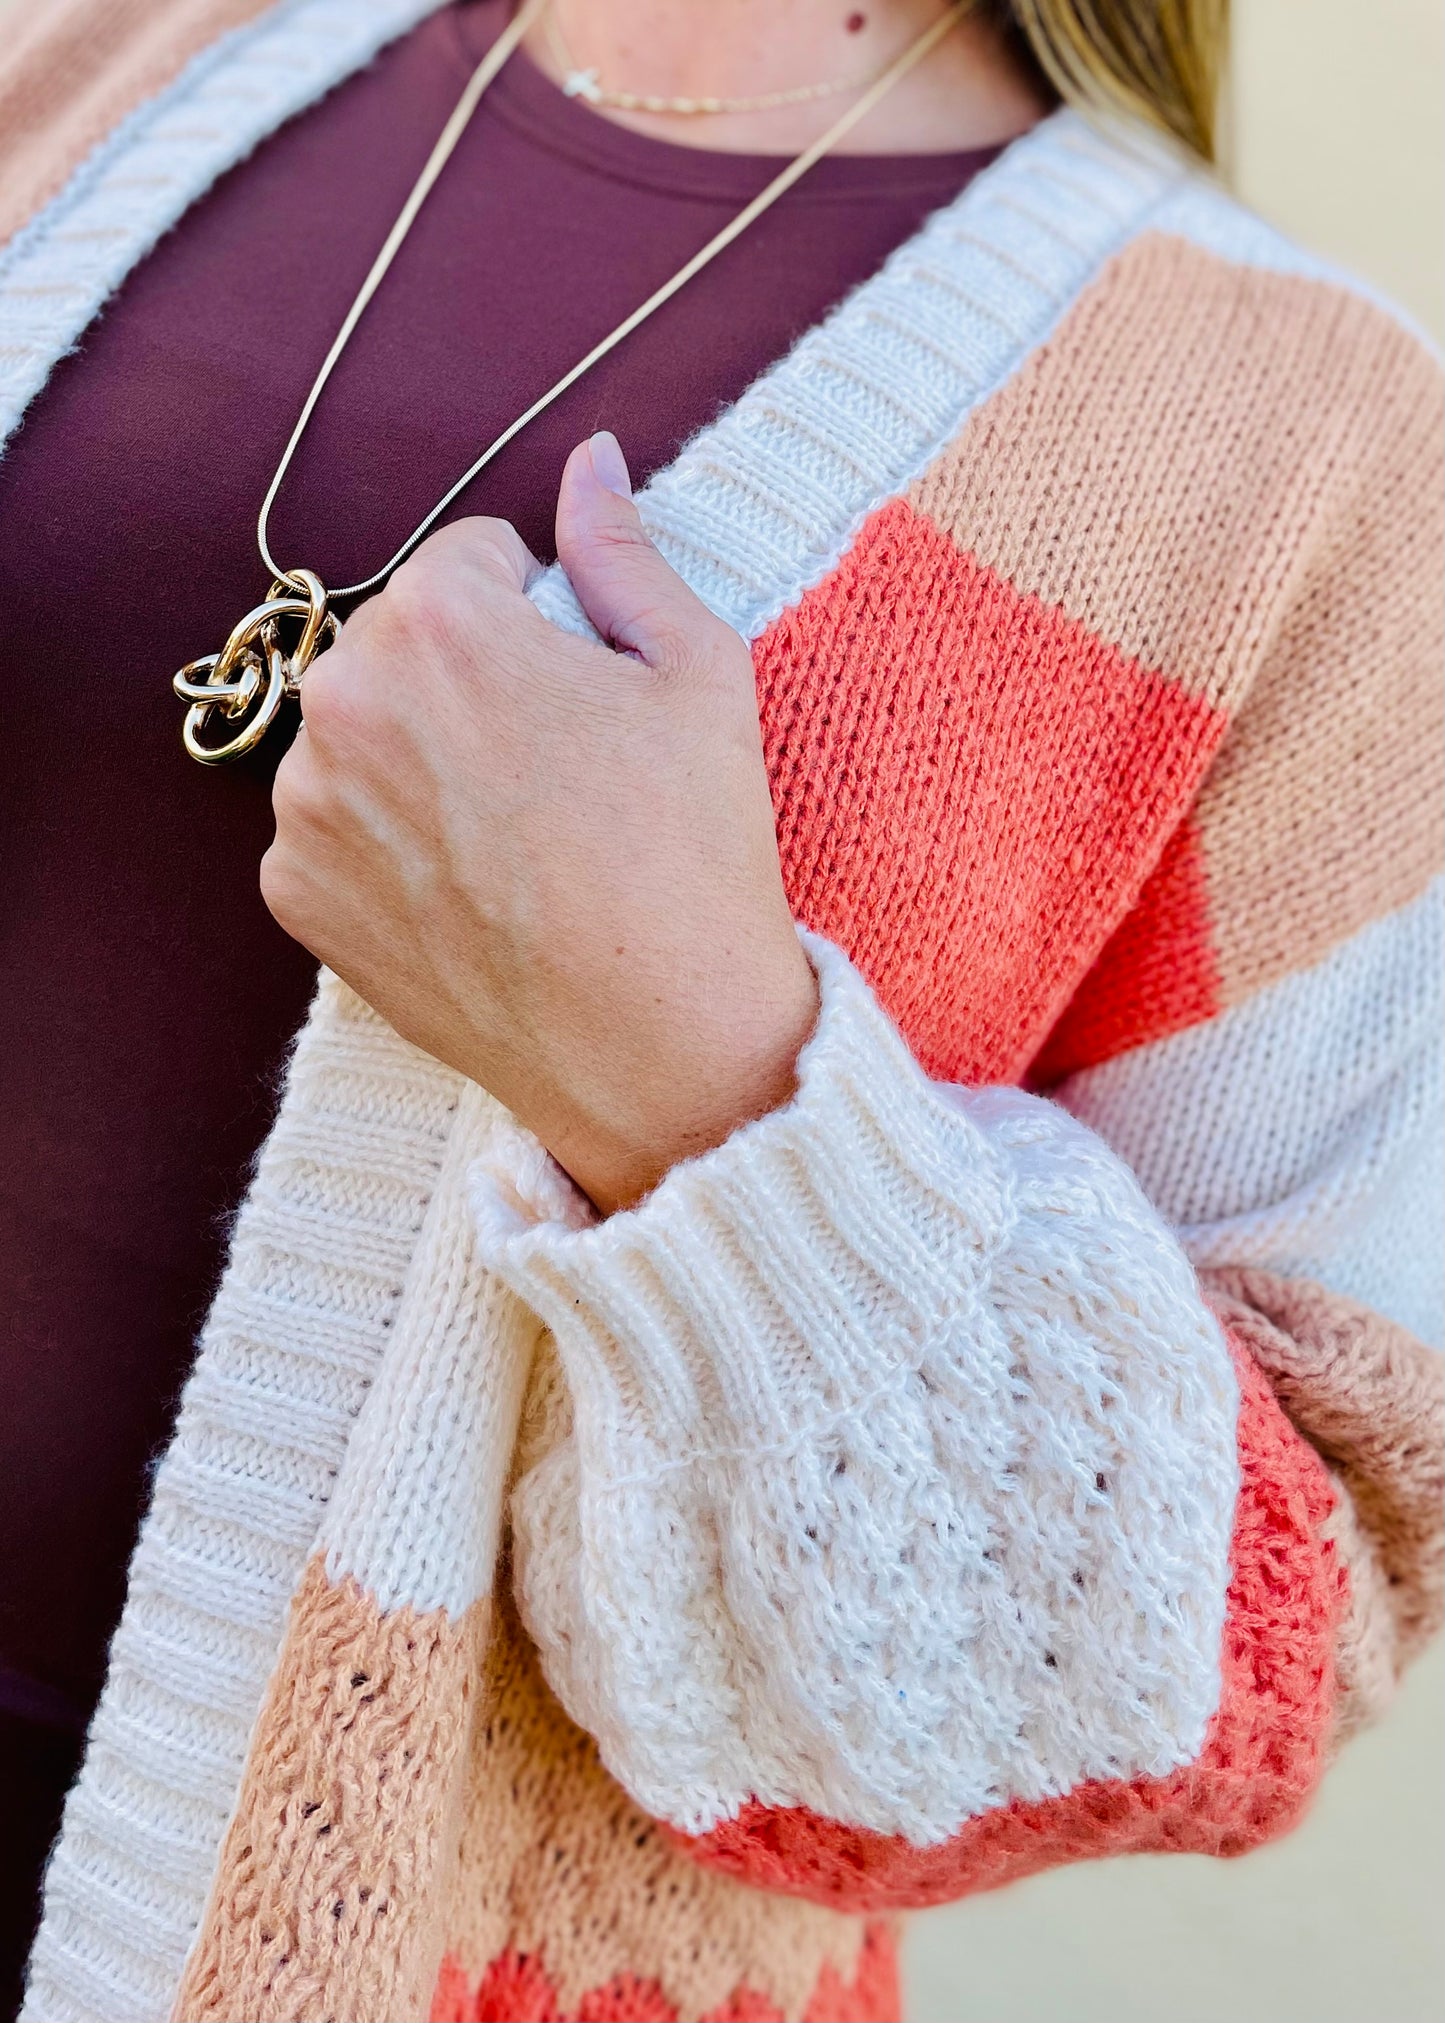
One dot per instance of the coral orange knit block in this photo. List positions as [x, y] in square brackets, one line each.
[516, 1989]
[1157, 974]
[1255, 1775]
[920, 717]
[746, 2006]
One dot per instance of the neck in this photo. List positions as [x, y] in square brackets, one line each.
[969, 93]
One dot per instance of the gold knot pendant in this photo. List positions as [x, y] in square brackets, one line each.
[256, 669]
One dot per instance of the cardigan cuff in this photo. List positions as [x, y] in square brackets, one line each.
[783, 1278]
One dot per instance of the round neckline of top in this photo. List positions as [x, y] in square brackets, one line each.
[531, 104]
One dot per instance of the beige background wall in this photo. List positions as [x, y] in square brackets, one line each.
[1339, 109]
[1338, 137]
[1339, 106]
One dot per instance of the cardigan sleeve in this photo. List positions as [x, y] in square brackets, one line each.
[900, 1465]
[904, 1513]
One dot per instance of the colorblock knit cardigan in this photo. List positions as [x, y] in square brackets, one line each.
[1018, 1448]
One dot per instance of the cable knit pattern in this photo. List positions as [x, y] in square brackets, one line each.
[886, 1501]
[1253, 1778]
[901, 1475]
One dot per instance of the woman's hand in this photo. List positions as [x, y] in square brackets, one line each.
[550, 864]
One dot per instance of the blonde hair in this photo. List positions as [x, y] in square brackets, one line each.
[1159, 60]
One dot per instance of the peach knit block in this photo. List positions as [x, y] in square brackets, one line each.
[564, 1888]
[326, 1902]
[76, 69]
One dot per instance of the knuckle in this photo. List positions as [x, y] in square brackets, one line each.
[290, 794]
[412, 591]
[496, 541]
[424, 608]
[280, 888]
[457, 581]
[480, 545]
[623, 532]
[689, 641]
[338, 696]
[354, 633]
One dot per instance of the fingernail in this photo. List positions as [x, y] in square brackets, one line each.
[609, 466]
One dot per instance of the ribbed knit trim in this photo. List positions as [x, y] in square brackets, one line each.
[312, 1289]
[415, 1517]
[868, 1149]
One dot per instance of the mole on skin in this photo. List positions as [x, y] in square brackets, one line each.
[855, 22]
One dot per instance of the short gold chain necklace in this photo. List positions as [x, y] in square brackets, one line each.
[580, 82]
[240, 690]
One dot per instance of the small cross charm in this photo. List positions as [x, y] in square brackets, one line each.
[582, 84]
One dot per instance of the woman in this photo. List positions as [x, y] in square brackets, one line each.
[686, 1458]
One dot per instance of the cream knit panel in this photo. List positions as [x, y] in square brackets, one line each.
[895, 1470]
[1301, 1133]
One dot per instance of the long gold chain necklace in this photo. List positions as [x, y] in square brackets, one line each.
[270, 649]
[579, 82]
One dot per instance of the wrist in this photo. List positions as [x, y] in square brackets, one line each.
[692, 1095]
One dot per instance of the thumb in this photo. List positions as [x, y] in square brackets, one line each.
[627, 590]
